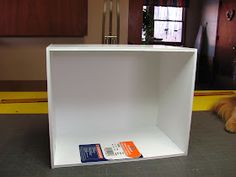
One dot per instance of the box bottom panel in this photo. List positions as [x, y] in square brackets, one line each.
[150, 141]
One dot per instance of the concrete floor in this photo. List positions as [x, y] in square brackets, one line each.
[24, 152]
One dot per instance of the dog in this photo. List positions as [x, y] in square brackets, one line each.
[226, 109]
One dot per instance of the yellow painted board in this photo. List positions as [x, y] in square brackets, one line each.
[23, 108]
[204, 103]
[18, 95]
[200, 103]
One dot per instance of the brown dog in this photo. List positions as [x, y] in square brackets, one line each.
[226, 109]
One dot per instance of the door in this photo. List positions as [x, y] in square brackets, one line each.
[225, 57]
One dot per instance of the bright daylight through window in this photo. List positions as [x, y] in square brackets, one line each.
[167, 24]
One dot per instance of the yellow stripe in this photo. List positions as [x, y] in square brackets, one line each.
[201, 103]
[204, 103]
[23, 108]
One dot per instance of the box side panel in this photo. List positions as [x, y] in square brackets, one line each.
[51, 117]
[176, 86]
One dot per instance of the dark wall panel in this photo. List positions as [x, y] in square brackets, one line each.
[43, 17]
[135, 21]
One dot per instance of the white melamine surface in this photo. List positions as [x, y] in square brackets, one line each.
[151, 142]
[105, 94]
[124, 48]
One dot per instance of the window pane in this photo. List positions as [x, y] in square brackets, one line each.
[143, 36]
[168, 13]
[168, 31]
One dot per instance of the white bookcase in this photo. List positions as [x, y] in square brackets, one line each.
[111, 93]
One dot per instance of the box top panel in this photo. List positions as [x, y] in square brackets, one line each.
[144, 48]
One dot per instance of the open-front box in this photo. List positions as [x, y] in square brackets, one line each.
[107, 94]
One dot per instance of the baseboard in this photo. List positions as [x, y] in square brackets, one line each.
[23, 85]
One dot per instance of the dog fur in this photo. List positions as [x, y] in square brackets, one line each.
[226, 109]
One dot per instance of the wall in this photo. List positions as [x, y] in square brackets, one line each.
[210, 17]
[193, 21]
[202, 12]
[206, 40]
[95, 21]
[24, 58]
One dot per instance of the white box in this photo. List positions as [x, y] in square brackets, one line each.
[111, 93]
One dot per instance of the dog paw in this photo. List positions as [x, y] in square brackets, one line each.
[230, 125]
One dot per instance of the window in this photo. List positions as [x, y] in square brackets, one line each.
[168, 24]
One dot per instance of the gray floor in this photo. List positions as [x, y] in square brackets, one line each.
[24, 152]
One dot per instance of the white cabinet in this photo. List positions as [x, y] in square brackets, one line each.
[105, 94]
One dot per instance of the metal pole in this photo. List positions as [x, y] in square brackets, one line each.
[118, 21]
[108, 8]
[110, 21]
[104, 20]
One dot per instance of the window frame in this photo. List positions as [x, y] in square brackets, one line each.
[183, 27]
